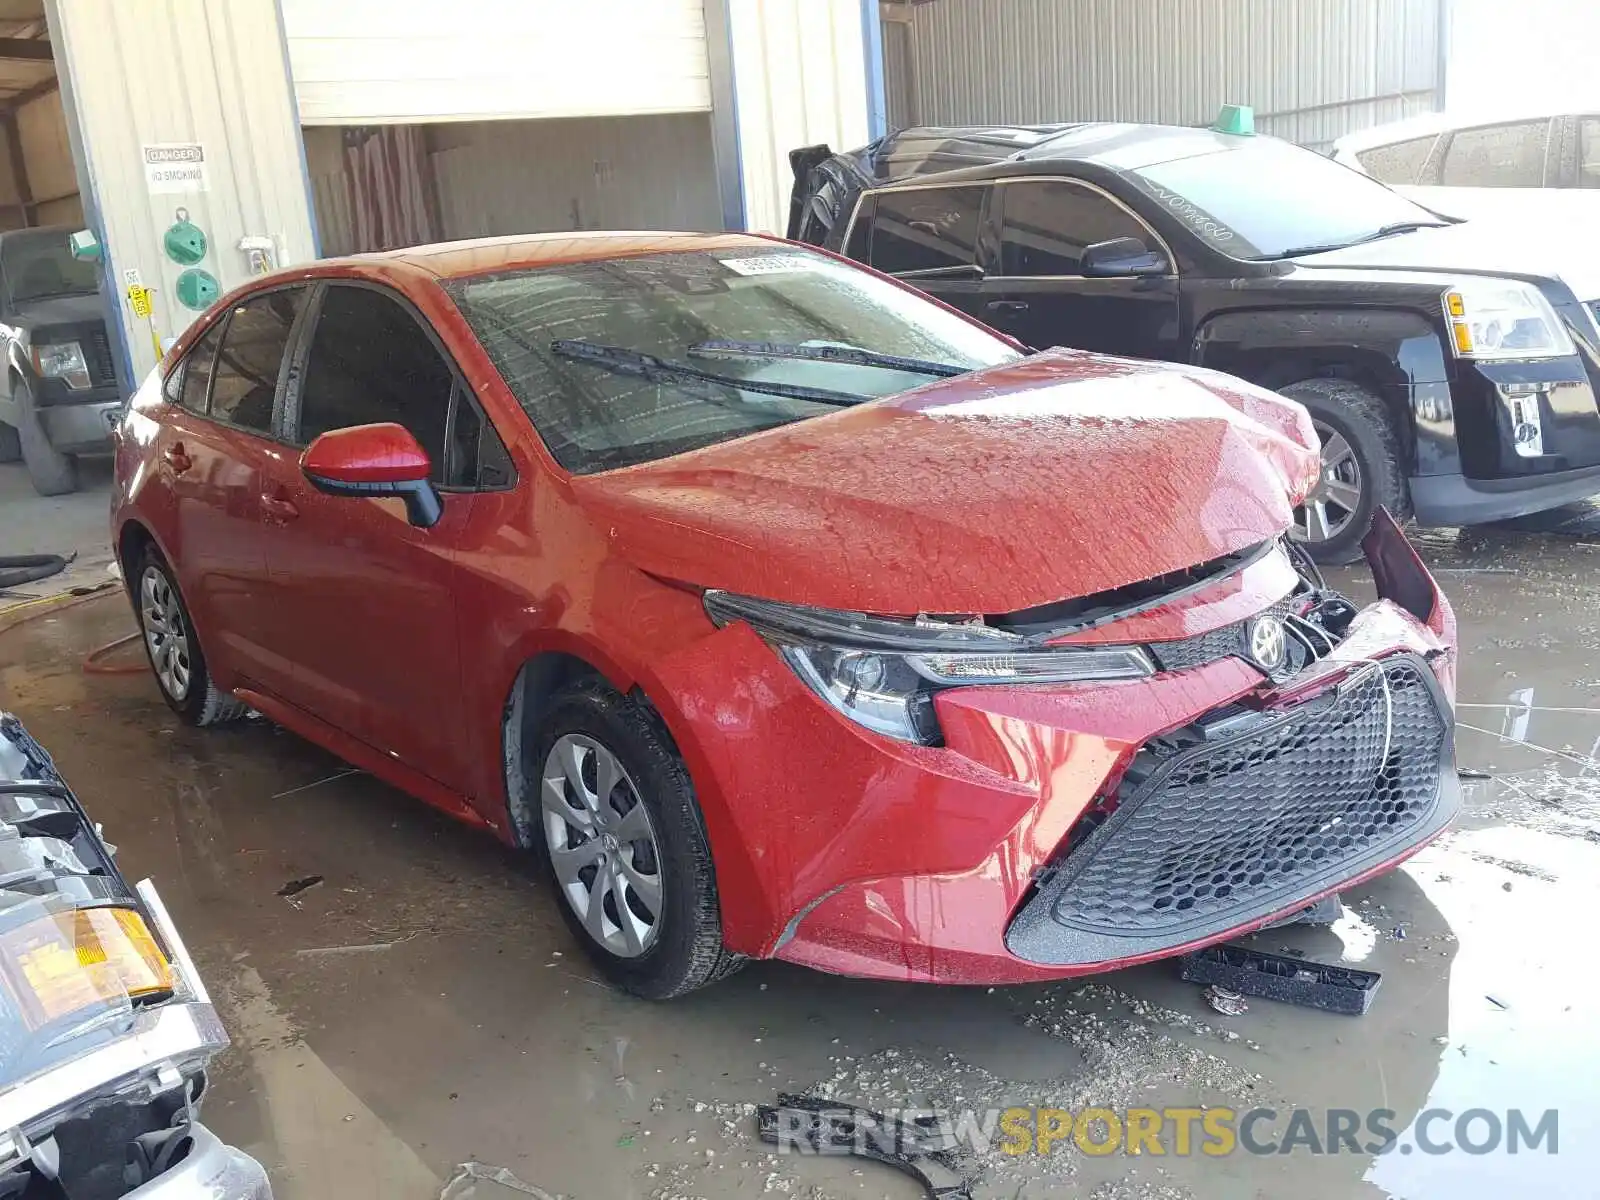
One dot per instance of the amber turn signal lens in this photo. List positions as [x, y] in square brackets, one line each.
[88, 958]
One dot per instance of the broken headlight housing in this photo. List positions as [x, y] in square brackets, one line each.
[882, 672]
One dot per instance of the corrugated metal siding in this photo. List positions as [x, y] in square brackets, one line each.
[499, 177]
[221, 82]
[799, 70]
[408, 61]
[1312, 69]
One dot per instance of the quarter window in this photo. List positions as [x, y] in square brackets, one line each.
[1047, 224]
[923, 230]
[1398, 162]
[247, 365]
[1497, 156]
[192, 377]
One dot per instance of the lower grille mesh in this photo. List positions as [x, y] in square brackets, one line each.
[1219, 830]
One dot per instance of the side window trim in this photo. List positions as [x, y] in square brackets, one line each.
[311, 315]
[997, 200]
[461, 394]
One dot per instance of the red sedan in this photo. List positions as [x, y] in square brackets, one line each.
[781, 611]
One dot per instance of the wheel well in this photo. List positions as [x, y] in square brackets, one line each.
[131, 544]
[1290, 371]
[539, 681]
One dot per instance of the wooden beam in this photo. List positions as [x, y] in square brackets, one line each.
[28, 95]
[19, 165]
[26, 50]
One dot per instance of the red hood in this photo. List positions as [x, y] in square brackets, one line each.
[1054, 477]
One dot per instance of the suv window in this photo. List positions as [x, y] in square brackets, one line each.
[1497, 156]
[370, 362]
[191, 378]
[246, 371]
[1046, 225]
[926, 229]
[1398, 162]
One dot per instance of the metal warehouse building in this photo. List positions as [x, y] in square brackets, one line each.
[213, 138]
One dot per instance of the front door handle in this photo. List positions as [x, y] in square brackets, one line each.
[278, 510]
[178, 458]
[1007, 306]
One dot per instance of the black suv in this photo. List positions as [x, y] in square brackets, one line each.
[1450, 368]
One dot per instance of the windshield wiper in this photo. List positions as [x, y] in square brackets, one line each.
[1382, 232]
[621, 361]
[847, 355]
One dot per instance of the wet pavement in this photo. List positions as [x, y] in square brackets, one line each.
[419, 1004]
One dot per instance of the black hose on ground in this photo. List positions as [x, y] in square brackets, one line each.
[29, 568]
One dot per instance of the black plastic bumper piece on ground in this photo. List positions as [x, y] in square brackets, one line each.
[1227, 823]
[1456, 500]
[826, 1126]
[1278, 977]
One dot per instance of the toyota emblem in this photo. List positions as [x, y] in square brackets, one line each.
[1269, 643]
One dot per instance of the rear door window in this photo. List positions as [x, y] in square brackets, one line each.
[1399, 162]
[190, 381]
[1046, 224]
[250, 358]
[926, 231]
[1510, 155]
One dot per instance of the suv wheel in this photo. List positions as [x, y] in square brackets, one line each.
[52, 472]
[174, 651]
[1360, 469]
[623, 844]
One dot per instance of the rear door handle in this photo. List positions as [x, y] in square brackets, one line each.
[1007, 306]
[178, 458]
[277, 509]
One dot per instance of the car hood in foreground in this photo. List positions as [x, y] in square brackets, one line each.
[1055, 477]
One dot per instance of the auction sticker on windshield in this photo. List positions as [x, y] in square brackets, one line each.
[767, 264]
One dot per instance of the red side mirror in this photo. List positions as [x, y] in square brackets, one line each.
[374, 460]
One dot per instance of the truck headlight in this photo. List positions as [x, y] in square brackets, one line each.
[62, 360]
[1496, 319]
[882, 672]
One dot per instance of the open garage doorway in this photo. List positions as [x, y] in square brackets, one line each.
[377, 187]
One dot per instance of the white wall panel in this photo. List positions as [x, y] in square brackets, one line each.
[221, 82]
[359, 62]
[799, 71]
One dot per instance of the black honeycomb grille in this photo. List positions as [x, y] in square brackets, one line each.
[1230, 641]
[97, 349]
[1220, 831]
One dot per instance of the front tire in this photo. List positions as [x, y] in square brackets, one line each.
[176, 660]
[1361, 469]
[10, 444]
[623, 845]
[51, 472]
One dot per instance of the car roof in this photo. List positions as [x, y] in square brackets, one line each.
[449, 259]
[929, 150]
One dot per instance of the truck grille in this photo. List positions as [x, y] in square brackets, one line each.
[1208, 837]
[97, 350]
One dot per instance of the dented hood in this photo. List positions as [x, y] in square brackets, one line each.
[1047, 479]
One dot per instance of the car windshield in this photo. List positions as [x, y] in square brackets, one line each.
[38, 265]
[1268, 199]
[628, 360]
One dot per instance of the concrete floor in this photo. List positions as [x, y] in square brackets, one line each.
[72, 526]
[424, 1005]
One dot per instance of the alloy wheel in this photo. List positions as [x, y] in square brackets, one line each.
[602, 845]
[1336, 499]
[165, 633]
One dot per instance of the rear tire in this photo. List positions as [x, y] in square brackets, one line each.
[10, 444]
[52, 472]
[176, 660]
[663, 849]
[1362, 468]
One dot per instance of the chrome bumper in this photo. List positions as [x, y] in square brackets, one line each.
[81, 428]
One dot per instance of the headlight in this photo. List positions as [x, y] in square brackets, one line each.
[64, 360]
[882, 672]
[79, 961]
[1500, 319]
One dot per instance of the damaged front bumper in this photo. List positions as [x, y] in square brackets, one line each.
[1063, 830]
